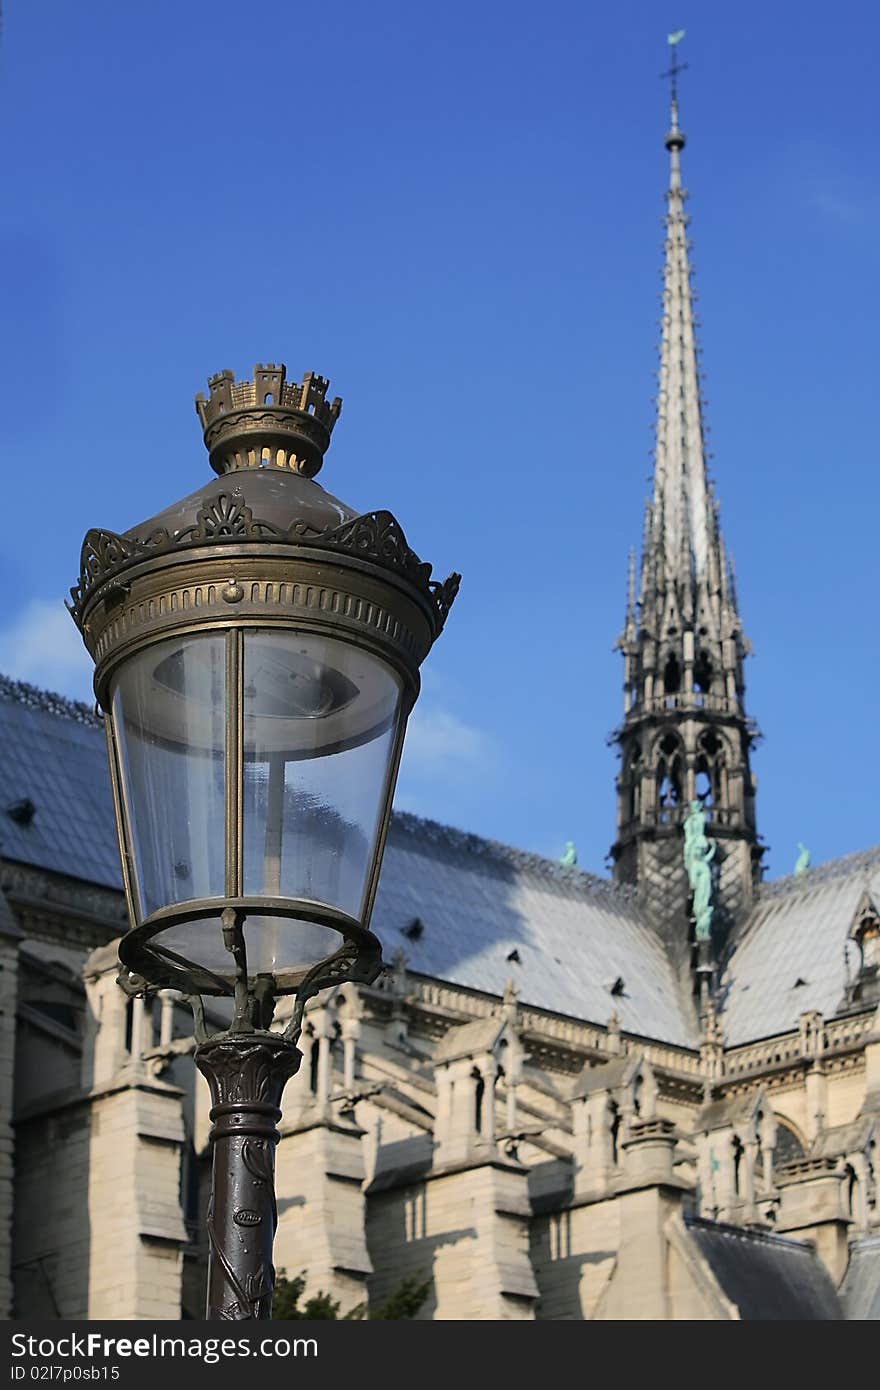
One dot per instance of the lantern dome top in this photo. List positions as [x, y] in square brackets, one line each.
[268, 421]
[263, 543]
[278, 498]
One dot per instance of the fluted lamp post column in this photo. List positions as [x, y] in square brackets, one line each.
[257, 649]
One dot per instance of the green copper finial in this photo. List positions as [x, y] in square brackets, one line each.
[569, 855]
[673, 39]
[802, 863]
[699, 851]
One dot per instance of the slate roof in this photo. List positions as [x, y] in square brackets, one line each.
[53, 753]
[766, 1276]
[860, 1290]
[573, 935]
[797, 931]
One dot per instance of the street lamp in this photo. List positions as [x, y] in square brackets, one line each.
[257, 649]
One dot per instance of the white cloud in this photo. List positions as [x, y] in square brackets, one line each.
[437, 741]
[44, 648]
[448, 765]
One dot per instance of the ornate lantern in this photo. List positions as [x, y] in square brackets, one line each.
[257, 649]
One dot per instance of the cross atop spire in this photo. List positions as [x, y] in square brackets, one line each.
[675, 138]
[675, 67]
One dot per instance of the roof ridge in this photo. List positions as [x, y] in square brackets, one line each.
[471, 843]
[820, 873]
[34, 697]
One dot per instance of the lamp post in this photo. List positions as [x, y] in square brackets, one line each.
[257, 649]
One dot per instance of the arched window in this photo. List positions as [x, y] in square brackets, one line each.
[633, 782]
[759, 1149]
[615, 1133]
[314, 1062]
[709, 769]
[479, 1094]
[670, 781]
[788, 1146]
[850, 1190]
[703, 783]
[737, 1165]
[703, 671]
[672, 675]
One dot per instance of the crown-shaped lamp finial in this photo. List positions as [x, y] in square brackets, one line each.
[267, 422]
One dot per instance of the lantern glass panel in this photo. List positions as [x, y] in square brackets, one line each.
[320, 719]
[273, 944]
[320, 723]
[169, 713]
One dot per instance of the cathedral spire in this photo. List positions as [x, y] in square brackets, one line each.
[685, 735]
[681, 505]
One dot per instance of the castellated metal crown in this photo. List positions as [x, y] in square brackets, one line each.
[268, 422]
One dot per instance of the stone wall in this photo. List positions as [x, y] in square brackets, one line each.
[437, 1149]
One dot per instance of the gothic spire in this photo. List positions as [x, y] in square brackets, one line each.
[685, 736]
[682, 529]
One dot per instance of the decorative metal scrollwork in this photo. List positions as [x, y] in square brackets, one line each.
[376, 536]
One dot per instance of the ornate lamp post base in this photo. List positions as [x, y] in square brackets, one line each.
[247, 1073]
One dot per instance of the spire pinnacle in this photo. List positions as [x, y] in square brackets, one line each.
[675, 138]
[682, 501]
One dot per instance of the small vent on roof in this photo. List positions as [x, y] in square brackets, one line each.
[799, 982]
[618, 987]
[514, 956]
[22, 812]
[415, 929]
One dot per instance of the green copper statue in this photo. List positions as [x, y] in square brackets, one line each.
[699, 851]
[694, 829]
[802, 863]
[701, 882]
[570, 855]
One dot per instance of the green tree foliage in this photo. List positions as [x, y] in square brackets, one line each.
[404, 1302]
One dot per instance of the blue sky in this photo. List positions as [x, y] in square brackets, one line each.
[455, 213]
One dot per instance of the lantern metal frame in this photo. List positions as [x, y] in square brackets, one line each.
[255, 550]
